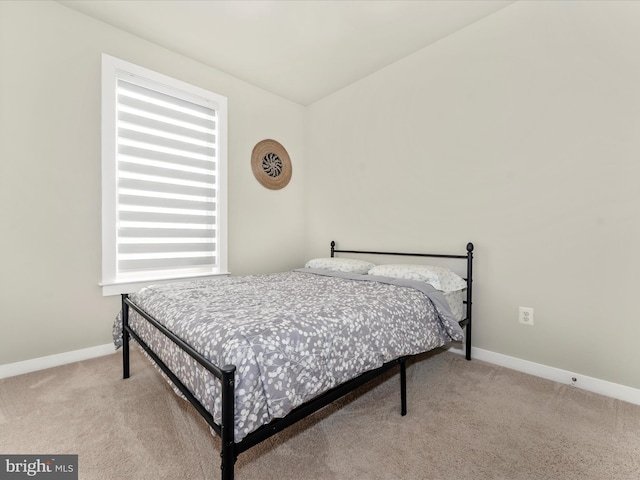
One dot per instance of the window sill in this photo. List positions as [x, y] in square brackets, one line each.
[118, 288]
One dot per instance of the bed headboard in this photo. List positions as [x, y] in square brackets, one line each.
[466, 322]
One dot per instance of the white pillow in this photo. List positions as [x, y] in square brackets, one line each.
[440, 278]
[350, 265]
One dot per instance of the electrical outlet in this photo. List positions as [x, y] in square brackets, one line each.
[526, 316]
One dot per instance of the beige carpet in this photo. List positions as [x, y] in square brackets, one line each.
[466, 420]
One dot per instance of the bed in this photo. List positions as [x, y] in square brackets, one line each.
[255, 354]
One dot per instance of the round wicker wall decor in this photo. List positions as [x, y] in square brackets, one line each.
[271, 164]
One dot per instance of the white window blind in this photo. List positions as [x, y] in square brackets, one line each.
[168, 182]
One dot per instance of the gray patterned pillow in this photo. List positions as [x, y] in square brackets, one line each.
[350, 265]
[440, 278]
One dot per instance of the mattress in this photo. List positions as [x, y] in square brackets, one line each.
[456, 303]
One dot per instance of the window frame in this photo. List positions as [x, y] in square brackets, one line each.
[113, 282]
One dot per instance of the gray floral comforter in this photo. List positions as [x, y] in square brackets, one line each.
[291, 335]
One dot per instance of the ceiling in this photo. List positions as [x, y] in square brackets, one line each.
[299, 50]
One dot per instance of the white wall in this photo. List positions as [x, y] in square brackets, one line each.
[50, 58]
[520, 133]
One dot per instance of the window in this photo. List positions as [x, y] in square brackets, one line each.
[163, 178]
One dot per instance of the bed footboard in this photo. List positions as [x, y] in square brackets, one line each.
[226, 375]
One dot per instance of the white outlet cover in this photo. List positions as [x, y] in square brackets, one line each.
[525, 316]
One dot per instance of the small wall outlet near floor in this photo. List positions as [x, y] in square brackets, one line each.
[525, 316]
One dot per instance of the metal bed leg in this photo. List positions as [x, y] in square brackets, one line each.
[468, 342]
[403, 386]
[469, 299]
[125, 337]
[227, 436]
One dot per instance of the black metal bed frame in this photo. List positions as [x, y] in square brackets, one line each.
[230, 449]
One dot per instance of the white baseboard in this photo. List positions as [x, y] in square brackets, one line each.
[18, 368]
[602, 387]
[595, 385]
